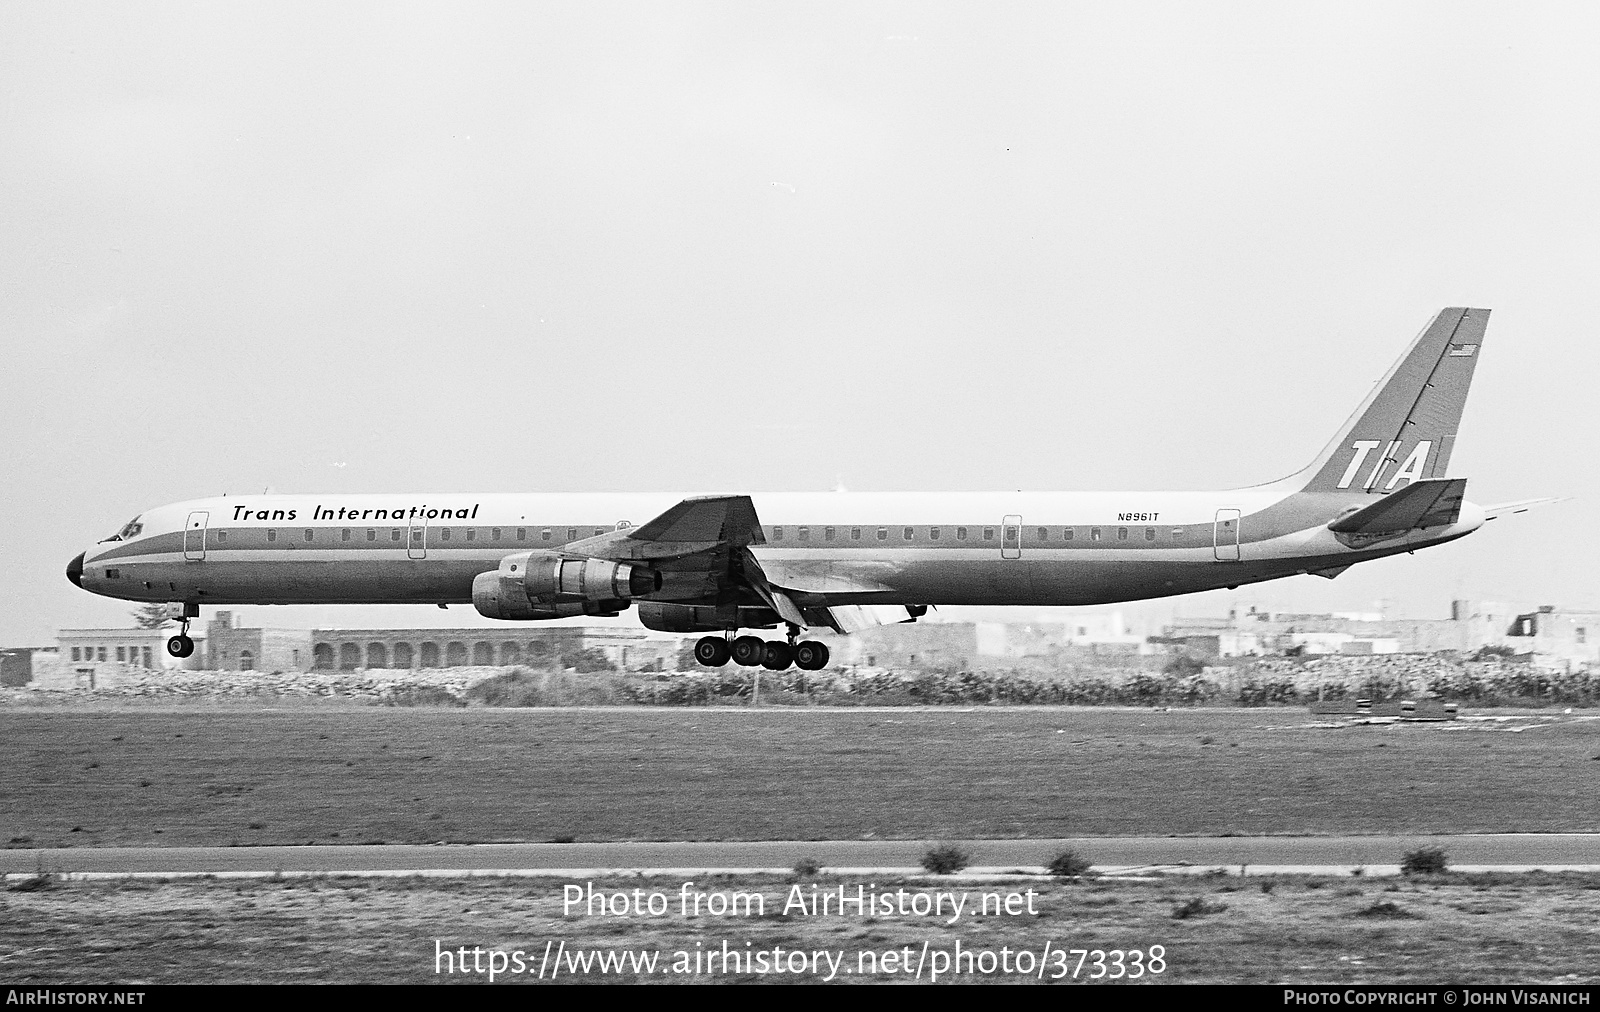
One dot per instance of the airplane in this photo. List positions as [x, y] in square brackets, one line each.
[719, 564]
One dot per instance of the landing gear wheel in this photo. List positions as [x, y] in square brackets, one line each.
[748, 651]
[811, 656]
[712, 651]
[180, 646]
[776, 656]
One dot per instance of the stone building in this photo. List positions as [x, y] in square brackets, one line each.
[84, 658]
[1555, 636]
[1550, 635]
[350, 649]
[16, 665]
[231, 648]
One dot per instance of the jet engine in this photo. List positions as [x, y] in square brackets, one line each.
[544, 585]
[548, 575]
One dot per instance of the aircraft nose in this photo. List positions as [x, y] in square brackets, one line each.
[75, 570]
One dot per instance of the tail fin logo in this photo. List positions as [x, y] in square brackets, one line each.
[1413, 469]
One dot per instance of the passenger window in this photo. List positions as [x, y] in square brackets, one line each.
[1044, 534]
[494, 535]
[599, 531]
[472, 533]
[394, 534]
[444, 534]
[1066, 534]
[933, 534]
[1149, 533]
[572, 534]
[827, 533]
[222, 536]
[855, 534]
[804, 533]
[1094, 534]
[372, 534]
[777, 534]
[344, 535]
[308, 534]
[961, 534]
[988, 534]
[1177, 532]
[544, 535]
[883, 534]
[907, 534]
[1122, 534]
[272, 534]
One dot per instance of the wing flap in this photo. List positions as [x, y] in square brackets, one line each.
[810, 576]
[849, 618]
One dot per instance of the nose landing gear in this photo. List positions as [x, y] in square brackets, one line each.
[181, 645]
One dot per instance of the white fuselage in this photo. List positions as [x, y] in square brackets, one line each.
[1040, 548]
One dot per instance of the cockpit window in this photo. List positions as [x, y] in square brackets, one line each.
[130, 530]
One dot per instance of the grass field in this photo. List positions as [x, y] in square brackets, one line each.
[1521, 929]
[204, 775]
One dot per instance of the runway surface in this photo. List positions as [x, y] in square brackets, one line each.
[1250, 855]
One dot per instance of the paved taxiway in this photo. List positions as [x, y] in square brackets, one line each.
[1255, 854]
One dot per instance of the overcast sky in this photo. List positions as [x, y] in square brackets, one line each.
[717, 247]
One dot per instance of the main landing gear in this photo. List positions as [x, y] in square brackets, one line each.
[181, 645]
[752, 652]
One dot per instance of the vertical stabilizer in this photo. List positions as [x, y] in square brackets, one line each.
[1406, 428]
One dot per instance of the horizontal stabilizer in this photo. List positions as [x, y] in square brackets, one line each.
[1520, 506]
[1435, 502]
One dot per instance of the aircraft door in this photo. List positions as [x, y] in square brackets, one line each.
[194, 536]
[1011, 538]
[417, 539]
[1225, 535]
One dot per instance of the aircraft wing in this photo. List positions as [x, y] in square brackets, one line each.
[1435, 502]
[1520, 506]
[702, 524]
[703, 547]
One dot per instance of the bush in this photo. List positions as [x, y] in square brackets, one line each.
[586, 660]
[421, 695]
[1183, 666]
[1423, 861]
[33, 884]
[946, 859]
[1385, 908]
[521, 687]
[1199, 906]
[1068, 864]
